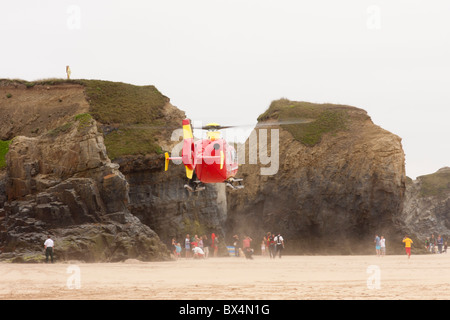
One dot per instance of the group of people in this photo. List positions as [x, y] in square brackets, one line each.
[196, 247]
[380, 245]
[272, 245]
[201, 247]
[245, 246]
[436, 245]
[432, 244]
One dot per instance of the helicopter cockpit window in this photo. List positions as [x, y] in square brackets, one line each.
[233, 156]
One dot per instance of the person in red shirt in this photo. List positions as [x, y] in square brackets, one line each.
[247, 248]
[408, 243]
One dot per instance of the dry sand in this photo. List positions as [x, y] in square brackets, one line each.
[289, 278]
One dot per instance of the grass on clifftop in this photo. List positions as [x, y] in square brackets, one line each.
[325, 118]
[133, 112]
[117, 102]
[4, 147]
[436, 184]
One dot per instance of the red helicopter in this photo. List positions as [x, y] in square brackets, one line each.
[210, 160]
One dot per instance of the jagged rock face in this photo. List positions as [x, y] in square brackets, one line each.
[332, 197]
[63, 184]
[427, 206]
[160, 200]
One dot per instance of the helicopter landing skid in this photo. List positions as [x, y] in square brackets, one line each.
[234, 184]
[194, 186]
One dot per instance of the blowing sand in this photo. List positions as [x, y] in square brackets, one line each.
[289, 278]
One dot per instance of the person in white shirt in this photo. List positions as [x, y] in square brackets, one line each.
[48, 245]
[198, 253]
[383, 246]
[279, 242]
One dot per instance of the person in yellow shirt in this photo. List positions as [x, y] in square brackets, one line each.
[407, 241]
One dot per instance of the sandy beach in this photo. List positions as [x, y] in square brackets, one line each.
[289, 278]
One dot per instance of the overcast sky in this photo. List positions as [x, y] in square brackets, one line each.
[225, 61]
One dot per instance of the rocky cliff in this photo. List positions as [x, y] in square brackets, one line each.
[85, 165]
[160, 200]
[427, 206]
[341, 180]
[63, 184]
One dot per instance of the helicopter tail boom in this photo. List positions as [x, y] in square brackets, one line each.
[187, 152]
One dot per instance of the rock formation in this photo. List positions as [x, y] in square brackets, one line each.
[160, 200]
[427, 206]
[60, 179]
[85, 165]
[338, 183]
[63, 184]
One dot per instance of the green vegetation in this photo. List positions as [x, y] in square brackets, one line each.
[116, 102]
[61, 129]
[436, 184]
[131, 141]
[4, 148]
[84, 119]
[323, 118]
[134, 112]
[31, 84]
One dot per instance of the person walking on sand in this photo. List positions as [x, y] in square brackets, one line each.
[187, 246]
[432, 243]
[279, 242]
[206, 245]
[382, 246]
[427, 244]
[177, 250]
[407, 241]
[236, 245]
[440, 243]
[263, 247]
[48, 246]
[271, 245]
[247, 247]
[377, 245]
[216, 245]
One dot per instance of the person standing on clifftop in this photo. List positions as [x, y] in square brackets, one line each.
[68, 72]
[48, 246]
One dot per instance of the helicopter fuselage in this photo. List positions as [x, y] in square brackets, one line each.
[214, 161]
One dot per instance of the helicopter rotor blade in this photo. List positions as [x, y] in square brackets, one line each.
[213, 127]
[259, 125]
